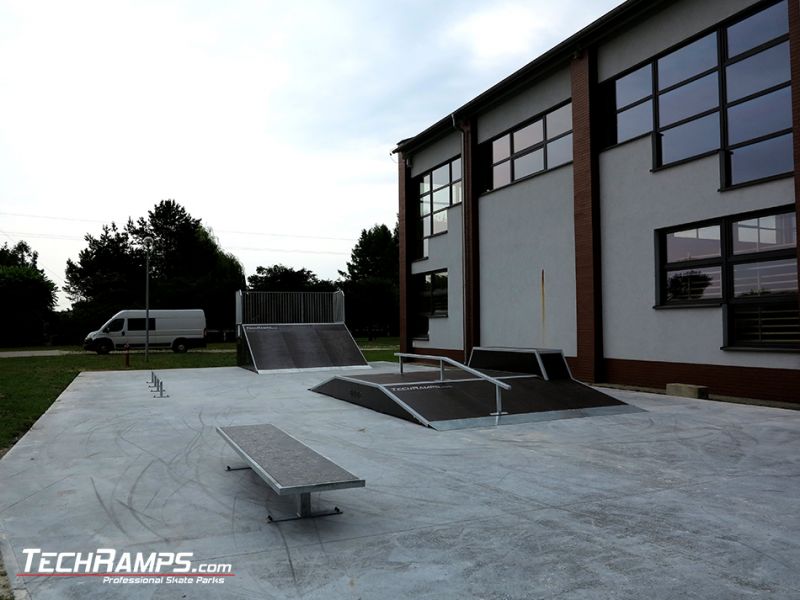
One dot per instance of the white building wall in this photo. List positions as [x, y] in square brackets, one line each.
[436, 153]
[634, 203]
[666, 28]
[446, 252]
[527, 104]
[525, 229]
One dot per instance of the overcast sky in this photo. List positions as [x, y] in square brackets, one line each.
[273, 122]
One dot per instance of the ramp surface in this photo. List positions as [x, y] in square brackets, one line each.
[462, 400]
[300, 346]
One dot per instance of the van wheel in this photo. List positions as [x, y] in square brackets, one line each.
[105, 347]
[179, 346]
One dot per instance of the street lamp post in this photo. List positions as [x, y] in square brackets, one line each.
[148, 247]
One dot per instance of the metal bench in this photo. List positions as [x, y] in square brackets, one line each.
[288, 466]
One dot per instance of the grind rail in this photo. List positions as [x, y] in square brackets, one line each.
[499, 386]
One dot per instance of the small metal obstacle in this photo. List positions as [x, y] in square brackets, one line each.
[156, 385]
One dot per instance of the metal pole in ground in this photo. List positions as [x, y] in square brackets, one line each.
[148, 246]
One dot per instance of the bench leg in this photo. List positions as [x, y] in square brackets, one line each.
[304, 510]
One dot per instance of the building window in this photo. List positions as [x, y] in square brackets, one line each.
[439, 189]
[430, 300]
[746, 262]
[729, 90]
[545, 143]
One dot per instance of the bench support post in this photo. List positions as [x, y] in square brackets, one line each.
[304, 510]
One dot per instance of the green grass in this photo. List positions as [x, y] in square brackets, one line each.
[383, 342]
[28, 386]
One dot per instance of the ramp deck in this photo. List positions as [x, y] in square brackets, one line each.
[289, 347]
[461, 400]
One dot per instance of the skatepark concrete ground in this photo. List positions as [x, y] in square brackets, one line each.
[690, 499]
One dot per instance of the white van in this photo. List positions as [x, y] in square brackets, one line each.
[176, 329]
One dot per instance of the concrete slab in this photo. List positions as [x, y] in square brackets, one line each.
[691, 498]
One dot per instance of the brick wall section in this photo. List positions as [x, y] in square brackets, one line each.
[767, 384]
[589, 360]
[405, 262]
[471, 262]
[794, 41]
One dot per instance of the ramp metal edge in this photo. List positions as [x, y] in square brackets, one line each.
[551, 415]
[380, 387]
[311, 369]
[249, 349]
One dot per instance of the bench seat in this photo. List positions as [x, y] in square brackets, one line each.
[287, 465]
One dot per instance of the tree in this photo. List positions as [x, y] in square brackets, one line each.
[371, 282]
[279, 278]
[27, 296]
[188, 269]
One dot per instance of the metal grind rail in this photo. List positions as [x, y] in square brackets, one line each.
[499, 386]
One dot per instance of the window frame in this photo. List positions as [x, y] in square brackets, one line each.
[727, 261]
[724, 148]
[514, 155]
[422, 300]
[421, 248]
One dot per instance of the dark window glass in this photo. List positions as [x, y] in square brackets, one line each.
[764, 159]
[138, 324]
[635, 86]
[688, 100]
[559, 121]
[439, 293]
[425, 248]
[456, 169]
[762, 278]
[772, 232]
[758, 72]
[533, 162]
[760, 116]
[694, 244]
[690, 139]
[439, 222]
[501, 174]
[501, 148]
[635, 121]
[760, 28]
[699, 283]
[528, 136]
[425, 205]
[425, 184]
[441, 199]
[559, 152]
[457, 197]
[115, 325]
[690, 60]
[441, 176]
[767, 324]
[426, 227]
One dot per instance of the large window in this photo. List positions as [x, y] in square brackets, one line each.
[545, 143]
[439, 189]
[728, 90]
[430, 300]
[748, 263]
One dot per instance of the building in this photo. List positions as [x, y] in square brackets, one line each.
[631, 196]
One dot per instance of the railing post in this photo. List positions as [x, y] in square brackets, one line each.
[441, 370]
[401, 364]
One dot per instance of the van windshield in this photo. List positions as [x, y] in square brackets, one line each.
[115, 325]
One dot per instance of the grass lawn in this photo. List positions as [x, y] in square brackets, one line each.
[29, 385]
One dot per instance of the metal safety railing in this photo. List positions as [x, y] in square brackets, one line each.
[499, 386]
[289, 307]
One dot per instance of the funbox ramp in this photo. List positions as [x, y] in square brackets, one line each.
[542, 389]
[291, 347]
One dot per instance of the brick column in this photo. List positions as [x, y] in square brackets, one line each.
[588, 297]
[404, 213]
[471, 262]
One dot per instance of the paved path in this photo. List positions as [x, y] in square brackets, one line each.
[33, 353]
[691, 499]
